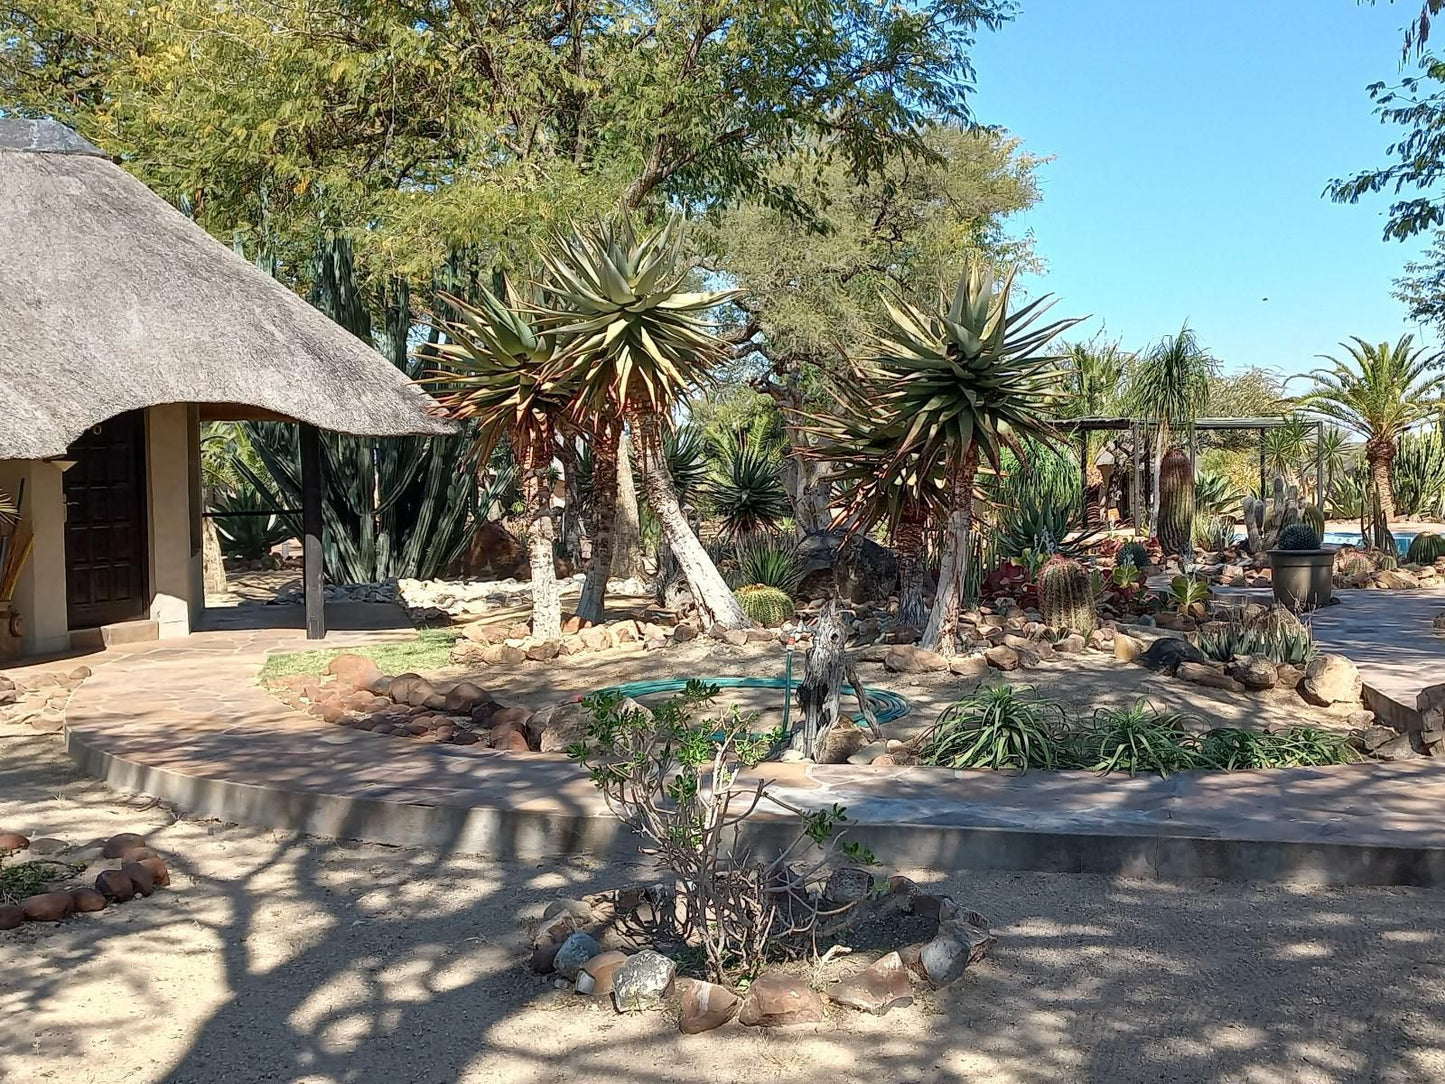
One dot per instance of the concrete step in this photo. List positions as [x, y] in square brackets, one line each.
[101, 637]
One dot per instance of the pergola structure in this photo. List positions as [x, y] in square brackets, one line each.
[1141, 429]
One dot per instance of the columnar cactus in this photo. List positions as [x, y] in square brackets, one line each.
[1254, 524]
[1066, 597]
[1176, 502]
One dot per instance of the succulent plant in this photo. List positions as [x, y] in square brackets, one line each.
[1066, 595]
[1299, 536]
[766, 605]
[1133, 553]
[1426, 548]
[1314, 516]
[1176, 502]
[1389, 563]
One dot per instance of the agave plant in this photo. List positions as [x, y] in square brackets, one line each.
[953, 386]
[495, 370]
[1215, 495]
[747, 489]
[634, 343]
[247, 522]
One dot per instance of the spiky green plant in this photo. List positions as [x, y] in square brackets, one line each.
[767, 606]
[1310, 747]
[1278, 636]
[1418, 475]
[1176, 502]
[1037, 503]
[747, 490]
[1126, 576]
[1066, 596]
[1236, 749]
[769, 562]
[1389, 562]
[1214, 494]
[1214, 533]
[1426, 548]
[1133, 553]
[247, 522]
[1299, 536]
[1135, 739]
[1187, 591]
[999, 726]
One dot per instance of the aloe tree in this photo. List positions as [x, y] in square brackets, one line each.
[1379, 391]
[494, 369]
[1169, 387]
[953, 387]
[635, 343]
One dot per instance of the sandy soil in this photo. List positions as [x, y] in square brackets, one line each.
[283, 958]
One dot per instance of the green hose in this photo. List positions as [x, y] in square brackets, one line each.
[888, 705]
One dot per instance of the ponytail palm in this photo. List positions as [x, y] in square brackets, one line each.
[495, 369]
[1379, 392]
[1170, 387]
[635, 343]
[955, 386]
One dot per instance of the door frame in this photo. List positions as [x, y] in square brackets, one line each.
[93, 614]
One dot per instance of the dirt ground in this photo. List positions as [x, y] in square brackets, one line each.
[281, 958]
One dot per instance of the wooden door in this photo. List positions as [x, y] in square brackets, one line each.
[105, 529]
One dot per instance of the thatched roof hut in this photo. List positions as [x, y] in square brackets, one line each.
[113, 300]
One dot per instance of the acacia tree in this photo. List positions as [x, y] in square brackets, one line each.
[635, 344]
[1379, 392]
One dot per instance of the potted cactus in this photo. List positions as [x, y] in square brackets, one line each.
[1301, 569]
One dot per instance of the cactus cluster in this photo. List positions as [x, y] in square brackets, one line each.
[1176, 502]
[1265, 519]
[768, 606]
[1426, 548]
[1066, 595]
[1133, 553]
[1299, 536]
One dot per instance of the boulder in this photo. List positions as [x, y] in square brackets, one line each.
[596, 638]
[907, 659]
[1208, 676]
[703, 1006]
[1164, 655]
[856, 569]
[11, 916]
[545, 651]
[87, 900]
[1331, 679]
[556, 728]
[877, 988]
[597, 974]
[1072, 644]
[48, 906]
[969, 666]
[49, 845]
[12, 841]
[848, 884]
[776, 999]
[575, 951]
[841, 742]
[962, 939]
[118, 844]
[735, 637]
[869, 753]
[643, 981]
[410, 689]
[156, 867]
[354, 672]
[1255, 672]
[515, 716]
[479, 633]
[1002, 658]
[141, 877]
[115, 885]
[463, 697]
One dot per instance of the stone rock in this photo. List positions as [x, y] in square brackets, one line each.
[1331, 679]
[684, 633]
[962, 940]
[1203, 674]
[1071, 644]
[968, 666]
[115, 885]
[544, 957]
[571, 645]
[703, 1006]
[907, 659]
[572, 626]
[509, 738]
[1164, 655]
[156, 867]
[48, 906]
[573, 953]
[86, 900]
[479, 633]
[515, 716]
[856, 569]
[354, 672]
[558, 727]
[1127, 648]
[465, 696]
[776, 999]
[1002, 658]
[869, 753]
[11, 916]
[643, 981]
[48, 845]
[597, 974]
[12, 841]
[877, 988]
[1255, 672]
[848, 884]
[735, 637]
[545, 651]
[118, 844]
[596, 638]
[410, 689]
[1397, 748]
[841, 742]
[141, 877]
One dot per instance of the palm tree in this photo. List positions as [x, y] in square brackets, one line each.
[1094, 378]
[635, 344]
[1287, 447]
[954, 386]
[1169, 387]
[495, 368]
[1379, 392]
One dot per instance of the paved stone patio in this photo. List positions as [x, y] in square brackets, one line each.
[186, 721]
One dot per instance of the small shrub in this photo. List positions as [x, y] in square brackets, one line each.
[767, 606]
[1002, 726]
[1135, 739]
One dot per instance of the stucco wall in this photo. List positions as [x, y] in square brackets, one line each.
[40, 592]
[175, 572]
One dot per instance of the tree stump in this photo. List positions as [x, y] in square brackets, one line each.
[825, 668]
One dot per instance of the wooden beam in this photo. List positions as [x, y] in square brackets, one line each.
[312, 554]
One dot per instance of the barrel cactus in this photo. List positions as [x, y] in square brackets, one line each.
[1426, 548]
[768, 606]
[1389, 563]
[1133, 553]
[1176, 502]
[1314, 517]
[1066, 596]
[1299, 536]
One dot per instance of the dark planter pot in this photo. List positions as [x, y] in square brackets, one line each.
[1302, 578]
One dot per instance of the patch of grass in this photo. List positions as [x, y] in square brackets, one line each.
[431, 650]
[21, 879]
[1002, 726]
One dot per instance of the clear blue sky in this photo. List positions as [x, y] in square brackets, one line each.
[1191, 144]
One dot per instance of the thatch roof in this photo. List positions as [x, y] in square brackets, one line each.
[111, 299]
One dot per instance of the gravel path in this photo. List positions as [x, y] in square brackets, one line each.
[278, 958]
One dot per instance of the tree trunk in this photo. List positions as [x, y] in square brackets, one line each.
[213, 561]
[1379, 454]
[715, 600]
[592, 606]
[626, 527]
[942, 632]
[573, 522]
[803, 478]
[908, 545]
[534, 459]
[1161, 439]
